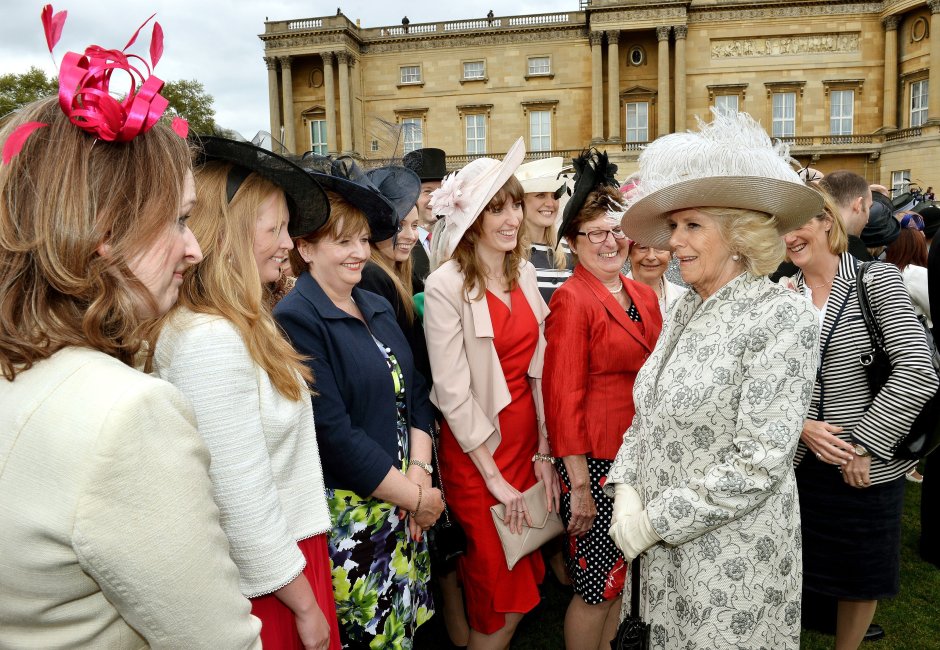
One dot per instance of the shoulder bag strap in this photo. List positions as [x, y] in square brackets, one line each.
[874, 332]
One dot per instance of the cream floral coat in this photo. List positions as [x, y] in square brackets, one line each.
[719, 409]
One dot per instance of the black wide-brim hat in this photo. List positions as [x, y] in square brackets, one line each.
[307, 203]
[882, 228]
[429, 164]
[931, 215]
[343, 176]
[400, 187]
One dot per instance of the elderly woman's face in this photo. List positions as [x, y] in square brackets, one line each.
[604, 259]
[336, 264]
[648, 264]
[809, 242]
[705, 260]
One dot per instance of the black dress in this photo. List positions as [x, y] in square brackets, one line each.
[377, 281]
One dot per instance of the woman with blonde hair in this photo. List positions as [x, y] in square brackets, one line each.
[110, 534]
[484, 321]
[222, 349]
[373, 417]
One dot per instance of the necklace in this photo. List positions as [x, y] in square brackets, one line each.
[617, 290]
[818, 285]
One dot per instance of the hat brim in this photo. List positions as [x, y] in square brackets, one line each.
[793, 204]
[306, 201]
[536, 185]
[497, 177]
[400, 186]
[378, 211]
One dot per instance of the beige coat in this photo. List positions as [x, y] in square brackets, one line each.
[469, 386]
[110, 537]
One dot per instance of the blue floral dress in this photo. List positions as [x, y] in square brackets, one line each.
[380, 575]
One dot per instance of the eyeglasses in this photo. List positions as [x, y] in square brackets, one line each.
[600, 236]
[912, 220]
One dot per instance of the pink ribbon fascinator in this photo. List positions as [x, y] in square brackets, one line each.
[85, 89]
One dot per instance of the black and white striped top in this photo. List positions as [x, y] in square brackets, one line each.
[875, 424]
[550, 277]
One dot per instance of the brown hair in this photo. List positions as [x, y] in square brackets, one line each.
[909, 248]
[227, 282]
[596, 204]
[346, 220]
[844, 187]
[400, 274]
[61, 198]
[474, 283]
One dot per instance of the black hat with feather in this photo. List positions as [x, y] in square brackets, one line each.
[592, 171]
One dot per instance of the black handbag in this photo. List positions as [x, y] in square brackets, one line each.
[446, 539]
[924, 435]
[633, 633]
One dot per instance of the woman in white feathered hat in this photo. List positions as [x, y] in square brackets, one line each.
[703, 483]
[484, 321]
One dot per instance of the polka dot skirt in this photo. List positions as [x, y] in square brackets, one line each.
[594, 563]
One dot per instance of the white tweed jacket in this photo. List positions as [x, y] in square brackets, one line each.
[265, 464]
[109, 537]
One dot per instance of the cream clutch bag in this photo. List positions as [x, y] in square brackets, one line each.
[545, 526]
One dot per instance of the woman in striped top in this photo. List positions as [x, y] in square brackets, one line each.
[851, 487]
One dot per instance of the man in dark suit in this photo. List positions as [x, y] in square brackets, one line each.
[430, 166]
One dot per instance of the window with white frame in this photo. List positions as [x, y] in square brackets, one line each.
[540, 65]
[918, 102]
[410, 74]
[784, 115]
[412, 133]
[638, 122]
[474, 70]
[540, 130]
[726, 104]
[841, 112]
[318, 143]
[900, 181]
[476, 133]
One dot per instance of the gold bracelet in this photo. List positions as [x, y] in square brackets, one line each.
[414, 513]
[423, 465]
[543, 457]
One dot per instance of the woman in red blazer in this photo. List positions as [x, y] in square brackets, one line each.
[601, 329]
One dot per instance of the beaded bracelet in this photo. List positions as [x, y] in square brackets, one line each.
[414, 513]
[423, 465]
[543, 457]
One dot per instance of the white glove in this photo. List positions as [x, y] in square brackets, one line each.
[626, 502]
[633, 535]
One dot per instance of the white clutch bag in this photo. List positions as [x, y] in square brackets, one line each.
[545, 526]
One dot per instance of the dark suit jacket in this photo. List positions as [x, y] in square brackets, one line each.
[592, 356]
[354, 409]
[420, 267]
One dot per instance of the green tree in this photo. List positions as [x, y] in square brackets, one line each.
[189, 100]
[17, 90]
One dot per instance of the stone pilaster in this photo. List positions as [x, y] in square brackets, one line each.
[889, 106]
[597, 87]
[274, 99]
[662, 89]
[345, 106]
[680, 31]
[287, 82]
[933, 106]
[613, 86]
[329, 89]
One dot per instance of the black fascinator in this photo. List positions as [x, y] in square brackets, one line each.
[592, 170]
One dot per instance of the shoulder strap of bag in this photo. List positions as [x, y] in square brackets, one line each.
[440, 474]
[874, 332]
[635, 588]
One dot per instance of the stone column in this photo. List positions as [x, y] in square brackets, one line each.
[889, 106]
[613, 86]
[662, 99]
[680, 31]
[597, 88]
[329, 90]
[345, 112]
[288, 90]
[933, 105]
[274, 100]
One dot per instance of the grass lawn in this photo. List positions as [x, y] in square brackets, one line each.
[911, 621]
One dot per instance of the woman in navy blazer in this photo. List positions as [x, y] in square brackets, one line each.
[373, 419]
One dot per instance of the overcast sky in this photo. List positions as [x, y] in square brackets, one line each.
[214, 41]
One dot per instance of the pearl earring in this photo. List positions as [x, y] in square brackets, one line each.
[735, 257]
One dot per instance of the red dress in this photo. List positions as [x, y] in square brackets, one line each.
[491, 590]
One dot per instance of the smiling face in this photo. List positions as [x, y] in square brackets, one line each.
[500, 226]
[398, 249]
[336, 262]
[161, 266]
[603, 260]
[648, 264]
[271, 241]
[705, 260]
[809, 244]
[541, 209]
[426, 218]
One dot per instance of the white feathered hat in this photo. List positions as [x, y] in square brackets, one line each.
[728, 163]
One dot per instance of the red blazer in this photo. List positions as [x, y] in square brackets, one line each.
[592, 356]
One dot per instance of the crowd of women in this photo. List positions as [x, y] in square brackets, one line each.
[195, 454]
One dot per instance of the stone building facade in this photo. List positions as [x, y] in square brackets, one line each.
[846, 83]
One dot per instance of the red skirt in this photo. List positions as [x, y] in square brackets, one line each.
[278, 630]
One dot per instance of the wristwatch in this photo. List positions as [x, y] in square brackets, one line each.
[860, 450]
